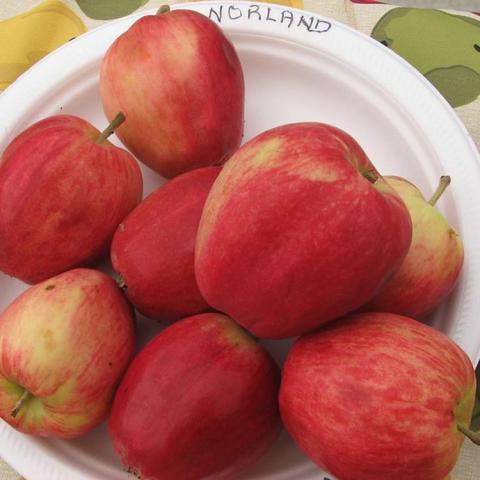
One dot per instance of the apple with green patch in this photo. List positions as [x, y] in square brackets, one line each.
[298, 228]
[433, 263]
[379, 396]
[64, 346]
[199, 401]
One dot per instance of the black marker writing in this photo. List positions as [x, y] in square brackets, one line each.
[218, 14]
[285, 17]
[268, 17]
[234, 13]
[303, 21]
[254, 9]
[322, 26]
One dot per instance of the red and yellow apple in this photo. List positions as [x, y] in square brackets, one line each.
[64, 188]
[64, 345]
[433, 263]
[199, 401]
[298, 228]
[153, 248]
[378, 396]
[180, 83]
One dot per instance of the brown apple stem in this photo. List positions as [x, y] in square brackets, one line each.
[116, 122]
[442, 186]
[26, 396]
[473, 436]
[370, 175]
[163, 9]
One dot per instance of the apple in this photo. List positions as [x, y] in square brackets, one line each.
[434, 262]
[180, 83]
[378, 396]
[298, 229]
[199, 401]
[64, 345]
[153, 248]
[64, 188]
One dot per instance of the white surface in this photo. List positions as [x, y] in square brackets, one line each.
[339, 76]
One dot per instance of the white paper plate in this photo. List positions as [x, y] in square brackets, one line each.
[298, 67]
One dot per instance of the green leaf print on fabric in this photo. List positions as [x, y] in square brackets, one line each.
[108, 9]
[443, 47]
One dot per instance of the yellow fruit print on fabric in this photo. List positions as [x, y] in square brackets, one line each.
[28, 37]
[288, 3]
[443, 47]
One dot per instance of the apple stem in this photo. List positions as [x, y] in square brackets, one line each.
[26, 396]
[116, 122]
[473, 436]
[370, 175]
[121, 281]
[163, 9]
[442, 186]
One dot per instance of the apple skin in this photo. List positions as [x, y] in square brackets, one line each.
[433, 264]
[179, 82]
[61, 197]
[377, 395]
[68, 341]
[294, 235]
[153, 248]
[199, 401]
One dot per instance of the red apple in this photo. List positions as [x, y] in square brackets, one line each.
[180, 83]
[64, 345]
[64, 188]
[153, 248]
[434, 262]
[298, 229]
[200, 401]
[378, 396]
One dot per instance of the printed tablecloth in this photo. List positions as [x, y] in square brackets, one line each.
[443, 45]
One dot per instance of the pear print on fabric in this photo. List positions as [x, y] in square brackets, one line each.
[108, 9]
[28, 37]
[443, 47]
